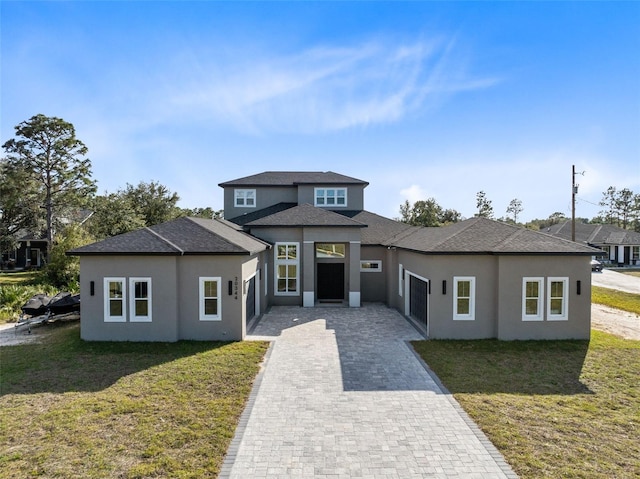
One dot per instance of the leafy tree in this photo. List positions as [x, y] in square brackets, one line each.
[515, 208]
[64, 271]
[48, 150]
[484, 205]
[153, 201]
[113, 214]
[620, 207]
[427, 213]
[19, 205]
[207, 212]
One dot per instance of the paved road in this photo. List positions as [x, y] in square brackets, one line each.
[614, 280]
[342, 395]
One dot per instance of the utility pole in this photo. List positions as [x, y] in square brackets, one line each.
[574, 190]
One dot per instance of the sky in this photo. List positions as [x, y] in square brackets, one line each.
[421, 99]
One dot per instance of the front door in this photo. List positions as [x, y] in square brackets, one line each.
[34, 256]
[330, 281]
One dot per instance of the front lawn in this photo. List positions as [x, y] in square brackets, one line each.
[616, 299]
[130, 410]
[554, 409]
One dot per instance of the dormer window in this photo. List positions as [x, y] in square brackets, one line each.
[245, 198]
[331, 197]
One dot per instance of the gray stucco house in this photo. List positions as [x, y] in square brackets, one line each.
[303, 239]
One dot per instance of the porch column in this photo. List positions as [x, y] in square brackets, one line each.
[354, 274]
[620, 255]
[308, 274]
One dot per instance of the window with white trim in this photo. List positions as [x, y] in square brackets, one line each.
[210, 307]
[140, 301]
[464, 291]
[286, 269]
[330, 197]
[371, 266]
[245, 198]
[557, 306]
[400, 279]
[635, 253]
[532, 296]
[115, 300]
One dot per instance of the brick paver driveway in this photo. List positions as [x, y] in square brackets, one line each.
[342, 395]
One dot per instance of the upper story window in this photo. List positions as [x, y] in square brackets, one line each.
[245, 198]
[330, 197]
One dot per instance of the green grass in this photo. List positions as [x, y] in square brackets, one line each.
[130, 410]
[21, 278]
[567, 409]
[616, 299]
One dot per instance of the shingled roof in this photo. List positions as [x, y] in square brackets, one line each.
[305, 215]
[596, 234]
[182, 236]
[292, 178]
[379, 230]
[484, 236]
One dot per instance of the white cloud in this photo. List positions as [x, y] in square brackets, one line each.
[326, 88]
[413, 193]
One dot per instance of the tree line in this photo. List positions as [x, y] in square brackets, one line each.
[620, 208]
[47, 191]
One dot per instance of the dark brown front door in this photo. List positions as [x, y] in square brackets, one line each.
[330, 281]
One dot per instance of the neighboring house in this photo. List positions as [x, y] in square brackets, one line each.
[622, 247]
[304, 239]
[31, 249]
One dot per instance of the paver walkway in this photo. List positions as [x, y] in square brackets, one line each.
[343, 395]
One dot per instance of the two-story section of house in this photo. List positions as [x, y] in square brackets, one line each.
[308, 217]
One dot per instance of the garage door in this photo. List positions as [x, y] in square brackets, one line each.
[251, 299]
[418, 290]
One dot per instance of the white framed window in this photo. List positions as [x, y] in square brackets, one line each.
[400, 279]
[635, 252]
[330, 197]
[286, 269]
[557, 299]
[245, 198]
[464, 292]
[209, 298]
[532, 297]
[371, 266]
[115, 300]
[140, 299]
